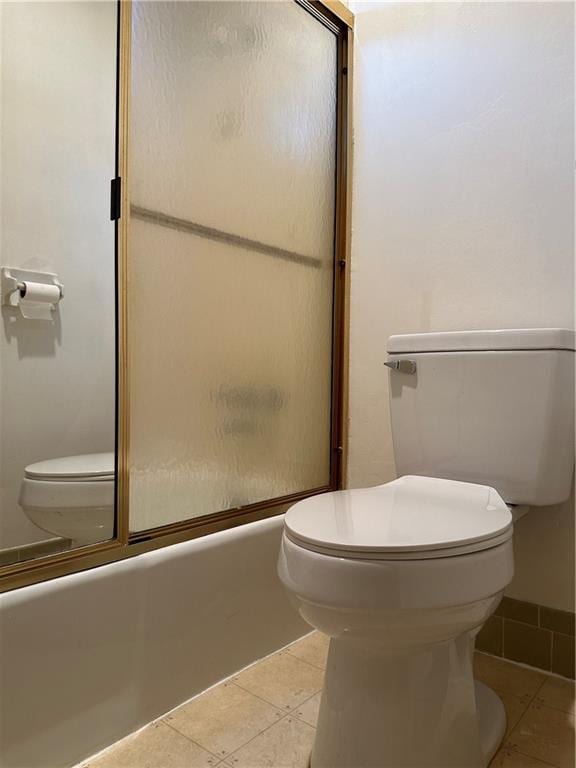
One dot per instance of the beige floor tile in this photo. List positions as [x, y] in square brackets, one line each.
[223, 719]
[282, 680]
[546, 734]
[515, 708]
[313, 649]
[510, 758]
[285, 745]
[558, 694]
[309, 710]
[157, 746]
[506, 677]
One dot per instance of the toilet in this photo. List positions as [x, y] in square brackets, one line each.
[402, 576]
[71, 497]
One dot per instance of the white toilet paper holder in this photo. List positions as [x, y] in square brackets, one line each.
[13, 284]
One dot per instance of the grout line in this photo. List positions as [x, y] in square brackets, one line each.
[526, 706]
[284, 712]
[283, 717]
[234, 751]
[310, 664]
[285, 649]
[231, 681]
[556, 709]
[161, 718]
[219, 758]
[260, 698]
[506, 658]
[280, 709]
[524, 623]
[231, 678]
[310, 697]
[521, 718]
[555, 675]
[301, 705]
[542, 706]
[532, 700]
[547, 672]
[538, 624]
[536, 759]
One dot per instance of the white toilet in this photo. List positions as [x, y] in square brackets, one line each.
[72, 497]
[402, 576]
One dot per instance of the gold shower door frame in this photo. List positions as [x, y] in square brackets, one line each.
[339, 19]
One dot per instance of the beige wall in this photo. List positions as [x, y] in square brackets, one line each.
[462, 210]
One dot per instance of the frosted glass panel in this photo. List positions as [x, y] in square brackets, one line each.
[231, 255]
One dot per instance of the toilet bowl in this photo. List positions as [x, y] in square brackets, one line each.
[401, 577]
[71, 497]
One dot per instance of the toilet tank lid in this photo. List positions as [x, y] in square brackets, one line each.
[81, 467]
[469, 341]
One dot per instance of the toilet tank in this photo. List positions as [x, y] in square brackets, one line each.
[488, 407]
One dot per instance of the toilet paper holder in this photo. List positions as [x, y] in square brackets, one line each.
[14, 284]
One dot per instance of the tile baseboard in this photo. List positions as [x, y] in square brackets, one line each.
[531, 634]
[33, 551]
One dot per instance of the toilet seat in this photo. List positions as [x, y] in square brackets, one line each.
[71, 482]
[411, 518]
[71, 497]
[91, 467]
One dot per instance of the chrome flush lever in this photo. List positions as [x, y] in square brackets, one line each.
[403, 366]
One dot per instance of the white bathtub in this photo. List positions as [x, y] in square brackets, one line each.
[89, 658]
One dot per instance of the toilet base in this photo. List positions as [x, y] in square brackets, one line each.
[416, 708]
[81, 525]
[492, 719]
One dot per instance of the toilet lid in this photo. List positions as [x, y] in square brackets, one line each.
[409, 517]
[90, 466]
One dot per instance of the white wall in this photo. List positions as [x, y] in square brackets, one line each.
[463, 208]
[58, 63]
[89, 658]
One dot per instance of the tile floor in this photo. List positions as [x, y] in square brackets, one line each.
[265, 718]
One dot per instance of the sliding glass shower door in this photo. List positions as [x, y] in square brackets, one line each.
[231, 256]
